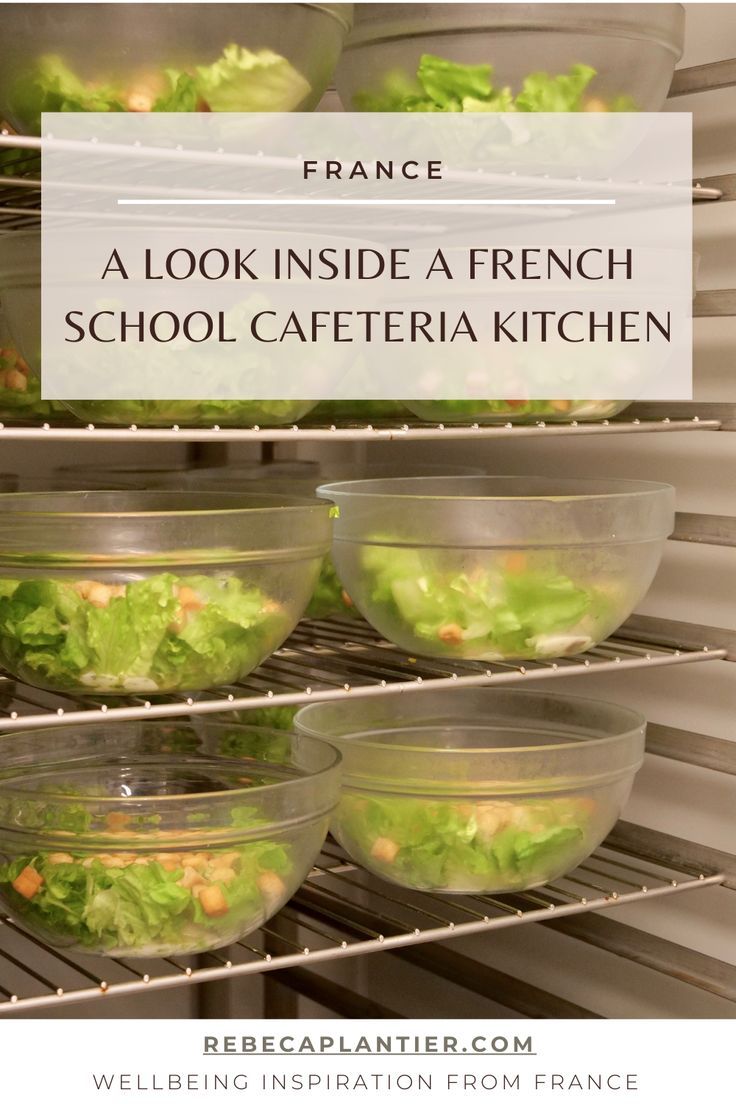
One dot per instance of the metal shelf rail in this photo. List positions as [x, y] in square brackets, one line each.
[340, 912]
[662, 419]
[325, 660]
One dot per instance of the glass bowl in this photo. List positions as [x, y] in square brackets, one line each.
[166, 57]
[152, 839]
[477, 790]
[502, 411]
[498, 568]
[631, 50]
[330, 598]
[20, 288]
[135, 592]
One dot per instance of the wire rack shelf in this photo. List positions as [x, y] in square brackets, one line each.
[326, 660]
[340, 912]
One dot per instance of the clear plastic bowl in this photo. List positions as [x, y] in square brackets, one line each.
[57, 58]
[477, 790]
[20, 288]
[632, 47]
[135, 592]
[330, 598]
[502, 411]
[151, 839]
[498, 568]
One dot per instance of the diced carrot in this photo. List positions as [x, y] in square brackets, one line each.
[28, 882]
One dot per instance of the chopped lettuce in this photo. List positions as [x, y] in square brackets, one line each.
[239, 80]
[460, 846]
[513, 609]
[157, 634]
[245, 81]
[148, 904]
[443, 85]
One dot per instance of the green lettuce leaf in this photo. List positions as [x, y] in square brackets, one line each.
[245, 81]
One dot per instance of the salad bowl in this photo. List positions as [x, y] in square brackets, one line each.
[498, 568]
[477, 790]
[147, 839]
[135, 592]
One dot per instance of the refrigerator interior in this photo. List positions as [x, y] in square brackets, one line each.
[643, 957]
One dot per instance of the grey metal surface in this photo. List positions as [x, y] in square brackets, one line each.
[703, 78]
[705, 529]
[692, 747]
[717, 303]
[662, 955]
[678, 634]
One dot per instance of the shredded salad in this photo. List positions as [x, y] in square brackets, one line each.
[463, 845]
[444, 85]
[152, 903]
[239, 80]
[515, 608]
[156, 634]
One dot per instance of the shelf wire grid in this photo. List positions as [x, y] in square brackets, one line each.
[327, 660]
[340, 912]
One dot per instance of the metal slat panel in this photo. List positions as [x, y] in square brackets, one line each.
[665, 957]
[652, 630]
[705, 529]
[703, 78]
[692, 747]
[718, 303]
